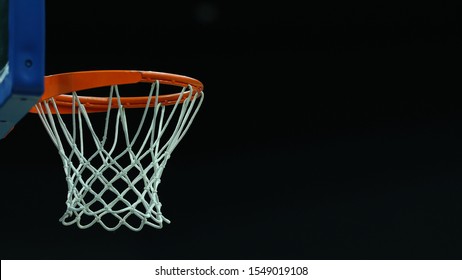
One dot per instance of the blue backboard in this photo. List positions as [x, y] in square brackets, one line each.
[22, 59]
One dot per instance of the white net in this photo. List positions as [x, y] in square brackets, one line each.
[113, 177]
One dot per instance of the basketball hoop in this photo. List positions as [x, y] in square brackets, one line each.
[113, 168]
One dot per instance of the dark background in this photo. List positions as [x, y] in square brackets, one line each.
[328, 131]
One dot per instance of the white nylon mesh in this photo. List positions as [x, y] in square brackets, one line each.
[113, 179]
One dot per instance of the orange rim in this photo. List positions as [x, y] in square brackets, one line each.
[59, 87]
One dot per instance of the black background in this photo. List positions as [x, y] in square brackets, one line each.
[329, 131]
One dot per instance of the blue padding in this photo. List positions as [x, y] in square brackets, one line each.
[27, 46]
[24, 84]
